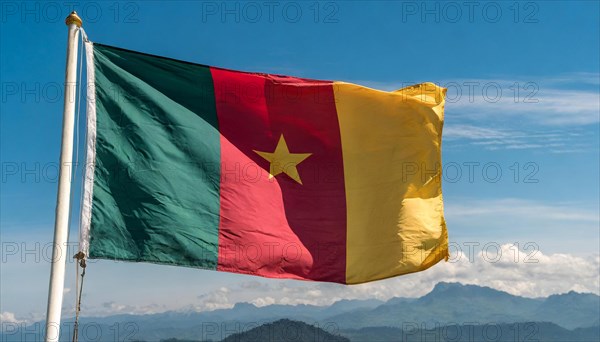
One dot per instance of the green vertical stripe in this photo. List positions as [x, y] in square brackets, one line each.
[156, 182]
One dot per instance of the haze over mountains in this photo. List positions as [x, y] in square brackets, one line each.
[574, 315]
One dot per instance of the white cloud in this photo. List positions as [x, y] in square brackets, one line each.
[218, 299]
[577, 78]
[113, 307]
[528, 273]
[520, 209]
[264, 301]
[9, 317]
[549, 107]
[548, 140]
[471, 132]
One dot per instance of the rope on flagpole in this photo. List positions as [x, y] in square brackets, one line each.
[80, 262]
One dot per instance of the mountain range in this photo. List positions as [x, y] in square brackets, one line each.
[447, 305]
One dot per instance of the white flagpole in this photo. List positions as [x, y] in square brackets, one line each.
[61, 223]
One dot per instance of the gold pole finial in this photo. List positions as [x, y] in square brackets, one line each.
[73, 18]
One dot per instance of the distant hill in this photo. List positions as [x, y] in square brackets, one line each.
[286, 330]
[527, 331]
[447, 304]
[574, 310]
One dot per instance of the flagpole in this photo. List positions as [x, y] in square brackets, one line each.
[61, 223]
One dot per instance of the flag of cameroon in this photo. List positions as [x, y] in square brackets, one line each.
[260, 174]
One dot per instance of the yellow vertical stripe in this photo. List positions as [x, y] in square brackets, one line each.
[391, 145]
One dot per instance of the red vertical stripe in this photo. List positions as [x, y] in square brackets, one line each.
[278, 227]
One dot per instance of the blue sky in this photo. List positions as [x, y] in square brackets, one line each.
[523, 82]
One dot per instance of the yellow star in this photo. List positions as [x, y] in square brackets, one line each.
[283, 161]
